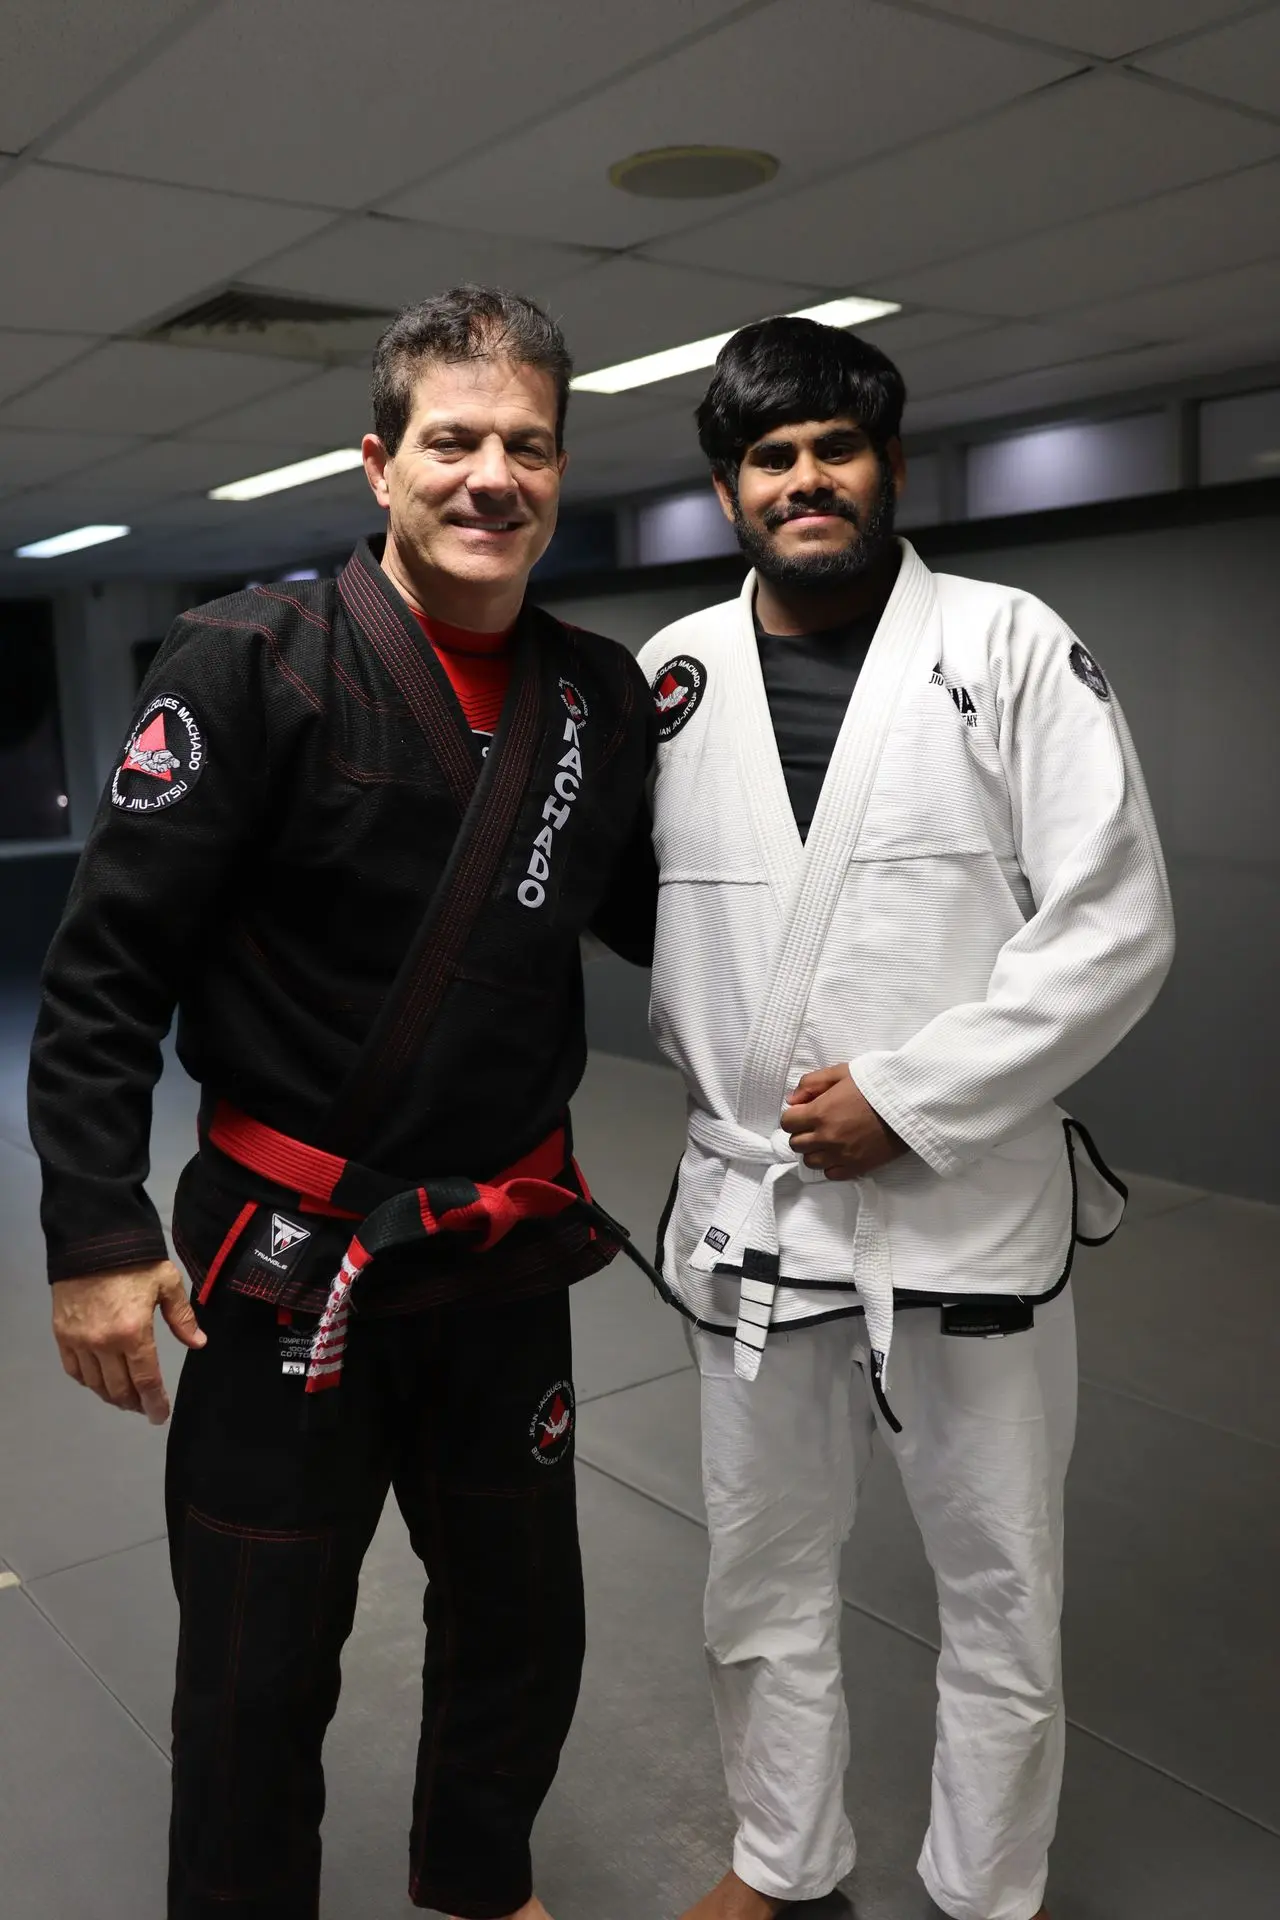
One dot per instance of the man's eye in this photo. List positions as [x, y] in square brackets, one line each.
[530, 455]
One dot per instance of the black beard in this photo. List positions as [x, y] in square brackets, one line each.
[823, 568]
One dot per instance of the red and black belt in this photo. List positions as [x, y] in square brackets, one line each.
[479, 1213]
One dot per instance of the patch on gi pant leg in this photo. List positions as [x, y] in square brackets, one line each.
[163, 760]
[677, 689]
[551, 1429]
[1086, 668]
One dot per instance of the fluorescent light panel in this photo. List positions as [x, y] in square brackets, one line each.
[69, 542]
[300, 474]
[702, 353]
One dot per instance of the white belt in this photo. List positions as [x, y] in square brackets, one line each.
[745, 1222]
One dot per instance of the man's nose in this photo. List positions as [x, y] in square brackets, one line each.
[807, 475]
[490, 470]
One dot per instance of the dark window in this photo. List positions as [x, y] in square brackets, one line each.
[33, 780]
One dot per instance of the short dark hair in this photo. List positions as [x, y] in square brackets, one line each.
[785, 370]
[467, 323]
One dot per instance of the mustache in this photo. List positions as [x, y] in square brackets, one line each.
[799, 508]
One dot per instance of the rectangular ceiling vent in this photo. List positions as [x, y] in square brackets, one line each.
[246, 320]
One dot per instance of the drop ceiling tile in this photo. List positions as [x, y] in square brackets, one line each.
[1002, 351]
[1246, 297]
[382, 262]
[902, 333]
[757, 82]
[28, 459]
[1093, 143]
[162, 471]
[329, 410]
[662, 437]
[1105, 27]
[629, 307]
[1201, 229]
[55, 55]
[599, 480]
[1240, 62]
[27, 357]
[306, 100]
[132, 386]
[110, 254]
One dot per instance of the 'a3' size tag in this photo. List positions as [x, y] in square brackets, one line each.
[988, 1319]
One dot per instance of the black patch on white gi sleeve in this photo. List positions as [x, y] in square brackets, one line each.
[677, 689]
[163, 759]
[1086, 668]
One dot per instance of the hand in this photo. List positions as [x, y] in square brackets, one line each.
[104, 1329]
[833, 1127]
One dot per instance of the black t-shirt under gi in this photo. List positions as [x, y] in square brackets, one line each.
[808, 679]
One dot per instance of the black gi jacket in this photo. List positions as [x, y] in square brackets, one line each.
[299, 788]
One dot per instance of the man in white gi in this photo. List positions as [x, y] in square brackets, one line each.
[911, 891]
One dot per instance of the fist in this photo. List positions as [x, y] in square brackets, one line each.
[833, 1127]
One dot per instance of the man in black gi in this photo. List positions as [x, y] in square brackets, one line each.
[367, 913]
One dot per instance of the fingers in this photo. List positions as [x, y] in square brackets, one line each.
[70, 1363]
[147, 1382]
[810, 1085]
[91, 1374]
[179, 1315]
[117, 1382]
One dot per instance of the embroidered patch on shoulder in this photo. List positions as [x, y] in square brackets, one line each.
[551, 1429]
[163, 760]
[573, 700]
[677, 689]
[1086, 668]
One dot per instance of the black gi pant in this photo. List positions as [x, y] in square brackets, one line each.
[467, 1415]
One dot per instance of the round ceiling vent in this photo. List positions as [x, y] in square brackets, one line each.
[692, 173]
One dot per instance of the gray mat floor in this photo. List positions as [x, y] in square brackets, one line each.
[1172, 1802]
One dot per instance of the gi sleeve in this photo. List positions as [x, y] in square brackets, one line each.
[1089, 961]
[181, 810]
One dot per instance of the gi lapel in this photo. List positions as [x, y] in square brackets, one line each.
[489, 794]
[807, 884]
[906, 630]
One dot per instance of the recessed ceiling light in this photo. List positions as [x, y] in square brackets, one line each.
[673, 361]
[693, 173]
[69, 542]
[300, 474]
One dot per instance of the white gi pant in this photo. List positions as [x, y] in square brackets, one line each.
[987, 1433]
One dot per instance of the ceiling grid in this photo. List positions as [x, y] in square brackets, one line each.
[1067, 197]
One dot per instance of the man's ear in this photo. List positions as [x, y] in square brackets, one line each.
[376, 462]
[897, 466]
[726, 496]
[562, 461]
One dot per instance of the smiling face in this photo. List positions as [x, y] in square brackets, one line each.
[814, 502]
[473, 488]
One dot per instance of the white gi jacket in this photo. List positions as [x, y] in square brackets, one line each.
[980, 913]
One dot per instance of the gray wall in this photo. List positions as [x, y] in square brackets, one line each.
[1186, 622]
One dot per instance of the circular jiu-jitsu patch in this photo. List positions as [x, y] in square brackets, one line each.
[677, 689]
[163, 760]
[551, 1429]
